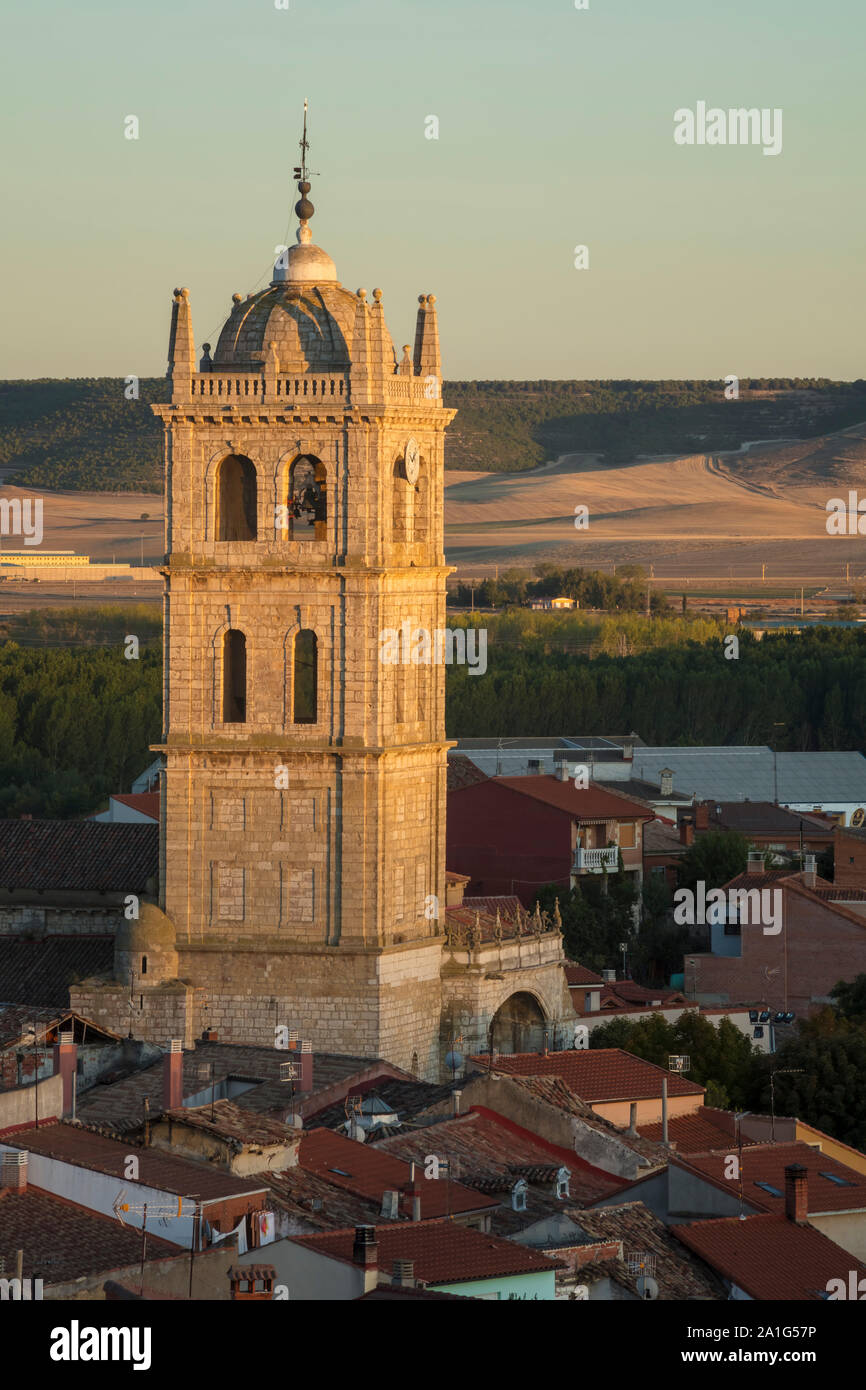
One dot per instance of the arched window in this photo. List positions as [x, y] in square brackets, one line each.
[307, 500]
[236, 500]
[234, 677]
[304, 676]
[402, 503]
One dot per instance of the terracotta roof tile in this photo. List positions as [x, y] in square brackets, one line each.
[74, 1144]
[766, 1163]
[591, 803]
[769, 1257]
[62, 1241]
[579, 975]
[641, 1233]
[602, 1074]
[695, 1133]
[368, 1171]
[442, 1251]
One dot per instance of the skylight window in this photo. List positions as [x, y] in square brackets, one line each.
[834, 1177]
[768, 1187]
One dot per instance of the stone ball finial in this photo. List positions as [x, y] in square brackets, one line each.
[406, 347]
[431, 299]
[377, 295]
[422, 298]
[176, 293]
[185, 293]
[304, 209]
[236, 298]
[303, 186]
[205, 347]
[362, 294]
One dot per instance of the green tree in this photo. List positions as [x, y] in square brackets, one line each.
[713, 858]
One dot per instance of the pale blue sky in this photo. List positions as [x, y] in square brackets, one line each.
[556, 128]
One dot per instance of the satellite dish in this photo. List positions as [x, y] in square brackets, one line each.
[454, 1060]
[357, 1132]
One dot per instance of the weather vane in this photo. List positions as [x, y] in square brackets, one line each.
[301, 170]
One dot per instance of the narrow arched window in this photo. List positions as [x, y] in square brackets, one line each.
[402, 506]
[144, 965]
[234, 677]
[304, 676]
[307, 500]
[236, 500]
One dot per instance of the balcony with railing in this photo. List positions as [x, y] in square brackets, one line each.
[595, 861]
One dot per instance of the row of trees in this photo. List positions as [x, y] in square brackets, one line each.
[625, 591]
[793, 691]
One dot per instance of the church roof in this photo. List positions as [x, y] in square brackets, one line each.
[310, 326]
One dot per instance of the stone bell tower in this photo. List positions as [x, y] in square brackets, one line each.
[303, 805]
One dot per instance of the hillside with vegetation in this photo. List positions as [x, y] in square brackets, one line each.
[84, 434]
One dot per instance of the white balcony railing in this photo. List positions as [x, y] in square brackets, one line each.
[593, 861]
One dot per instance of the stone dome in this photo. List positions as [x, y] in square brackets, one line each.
[152, 930]
[310, 325]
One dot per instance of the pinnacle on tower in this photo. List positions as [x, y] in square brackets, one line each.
[427, 361]
[181, 347]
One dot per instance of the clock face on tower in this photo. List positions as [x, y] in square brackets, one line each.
[412, 460]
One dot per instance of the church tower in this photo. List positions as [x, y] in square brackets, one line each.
[303, 800]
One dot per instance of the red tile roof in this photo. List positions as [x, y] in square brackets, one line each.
[603, 1074]
[590, 803]
[695, 1133]
[463, 772]
[579, 975]
[442, 1251]
[769, 1257]
[508, 904]
[63, 1241]
[147, 803]
[184, 1177]
[369, 1172]
[767, 1162]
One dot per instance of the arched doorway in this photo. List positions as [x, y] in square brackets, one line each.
[518, 1025]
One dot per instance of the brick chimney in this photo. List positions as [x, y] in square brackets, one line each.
[244, 1278]
[404, 1274]
[65, 1062]
[687, 830]
[365, 1250]
[14, 1170]
[797, 1193]
[702, 816]
[172, 1075]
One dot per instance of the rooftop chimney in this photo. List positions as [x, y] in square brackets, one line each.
[632, 1118]
[365, 1251]
[609, 976]
[810, 873]
[15, 1170]
[404, 1274]
[65, 1062]
[702, 816]
[756, 862]
[666, 781]
[172, 1075]
[455, 1102]
[797, 1193]
[687, 831]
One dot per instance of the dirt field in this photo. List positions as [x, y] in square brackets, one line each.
[703, 518]
[700, 517]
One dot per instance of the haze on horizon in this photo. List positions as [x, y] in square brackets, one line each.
[555, 130]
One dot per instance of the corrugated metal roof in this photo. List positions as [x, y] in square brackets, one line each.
[753, 773]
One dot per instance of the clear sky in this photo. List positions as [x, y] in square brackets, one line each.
[555, 129]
